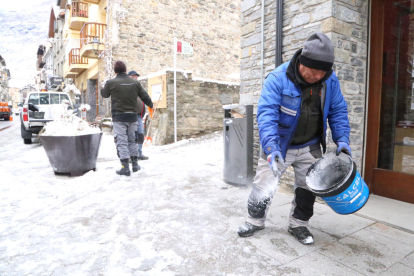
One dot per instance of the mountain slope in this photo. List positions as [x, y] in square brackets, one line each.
[23, 27]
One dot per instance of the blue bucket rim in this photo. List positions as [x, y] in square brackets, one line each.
[334, 189]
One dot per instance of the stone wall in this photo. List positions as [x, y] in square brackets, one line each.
[344, 22]
[199, 107]
[146, 29]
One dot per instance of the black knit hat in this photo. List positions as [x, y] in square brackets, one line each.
[132, 73]
[318, 52]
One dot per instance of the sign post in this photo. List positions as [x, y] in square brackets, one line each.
[184, 48]
[175, 90]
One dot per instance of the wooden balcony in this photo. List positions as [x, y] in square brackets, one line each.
[77, 64]
[88, 33]
[92, 1]
[79, 15]
[66, 73]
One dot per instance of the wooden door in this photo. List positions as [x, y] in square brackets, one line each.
[389, 164]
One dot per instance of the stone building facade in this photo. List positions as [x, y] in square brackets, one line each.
[344, 22]
[142, 34]
[58, 45]
[199, 107]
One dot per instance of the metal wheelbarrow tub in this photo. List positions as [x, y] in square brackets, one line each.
[74, 155]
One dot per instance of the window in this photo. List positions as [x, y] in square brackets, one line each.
[54, 99]
[34, 98]
[44, 98]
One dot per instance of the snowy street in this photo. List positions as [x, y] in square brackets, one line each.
[176, 216]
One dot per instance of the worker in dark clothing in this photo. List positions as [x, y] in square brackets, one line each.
[141, 112]
[297, 100]
[124, 92]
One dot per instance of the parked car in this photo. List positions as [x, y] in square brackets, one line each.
[18, 109]
[38, 109]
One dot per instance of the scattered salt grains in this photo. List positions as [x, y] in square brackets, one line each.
[329, 171]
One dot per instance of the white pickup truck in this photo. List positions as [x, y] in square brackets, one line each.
[47, 103]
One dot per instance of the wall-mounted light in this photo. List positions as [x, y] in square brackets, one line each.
[95, 45]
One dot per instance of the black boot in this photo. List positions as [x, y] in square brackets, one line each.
[302, 234]
[135, 166]
[247, 229]
[143, 157]
[125, 168]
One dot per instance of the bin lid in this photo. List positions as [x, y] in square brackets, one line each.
[232, 106]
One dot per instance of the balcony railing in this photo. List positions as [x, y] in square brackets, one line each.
[90, 31]
[79, 9]
[74, 57]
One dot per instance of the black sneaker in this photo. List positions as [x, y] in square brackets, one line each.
[143, 157]
[302, 234]
[247, 229]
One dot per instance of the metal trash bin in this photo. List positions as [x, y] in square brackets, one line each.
[238, 145]
[74, 155]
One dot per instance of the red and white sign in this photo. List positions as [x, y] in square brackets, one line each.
[184, 48]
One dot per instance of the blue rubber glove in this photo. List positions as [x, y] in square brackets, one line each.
[344, 147]
[273, 158]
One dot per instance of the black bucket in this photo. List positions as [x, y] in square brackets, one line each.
[74, 155]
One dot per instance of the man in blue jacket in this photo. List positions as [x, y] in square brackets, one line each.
[297, 100]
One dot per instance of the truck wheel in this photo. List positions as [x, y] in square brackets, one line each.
[27, 141]
[26, 135]
[7, 119]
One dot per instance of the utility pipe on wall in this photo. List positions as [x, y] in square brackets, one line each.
[262, 49]
[279, 33]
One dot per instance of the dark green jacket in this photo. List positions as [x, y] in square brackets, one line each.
[124, 92]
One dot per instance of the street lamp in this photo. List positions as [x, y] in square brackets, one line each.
[95, 45]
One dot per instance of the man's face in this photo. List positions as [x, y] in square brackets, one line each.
[311, 75]
[134, 77]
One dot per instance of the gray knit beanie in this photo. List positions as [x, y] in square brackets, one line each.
[318, 52]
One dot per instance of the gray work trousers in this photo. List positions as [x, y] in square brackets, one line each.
[125, 136]
[265, 185]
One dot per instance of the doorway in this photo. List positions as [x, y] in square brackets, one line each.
[389, 165]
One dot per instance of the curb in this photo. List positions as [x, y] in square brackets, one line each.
[1, 129]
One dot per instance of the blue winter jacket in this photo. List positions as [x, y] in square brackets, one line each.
[279, 110]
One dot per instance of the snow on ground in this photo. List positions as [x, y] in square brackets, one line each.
[174, 217]
[116, 224]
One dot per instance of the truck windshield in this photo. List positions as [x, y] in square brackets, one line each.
[34, 99]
